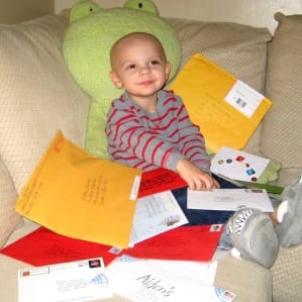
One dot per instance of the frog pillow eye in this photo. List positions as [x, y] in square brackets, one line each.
[143, 5]
[83, 8]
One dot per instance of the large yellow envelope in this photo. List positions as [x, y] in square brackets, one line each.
[227, 110]
[80, 196]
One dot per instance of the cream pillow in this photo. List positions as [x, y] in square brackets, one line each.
[9, 219]
[240, 49]
[282, 128]
[37, 94]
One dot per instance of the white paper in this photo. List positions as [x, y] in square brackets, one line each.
[135, 187]
[238, 165]
[79, 281]
[156, 214]
[156, 281]
[244, 98]
[229, 199]
[203, 272]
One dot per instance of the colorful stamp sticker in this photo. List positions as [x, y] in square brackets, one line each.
[250, 171]
[240, 158]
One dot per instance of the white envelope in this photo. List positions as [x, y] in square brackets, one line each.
[166, 281]
[80, 281]
[229, 200]
[155, 214]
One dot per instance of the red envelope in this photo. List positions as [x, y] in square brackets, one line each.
[44, 247]
[183, 243]
[159, 180]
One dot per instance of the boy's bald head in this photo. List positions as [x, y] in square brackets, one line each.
[131, 39]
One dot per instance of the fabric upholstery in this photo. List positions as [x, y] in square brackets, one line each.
[282, 128]
[249, 281]
[9, 219]
[287, 275]
[238, 48]
[37, 94]
[282, 136]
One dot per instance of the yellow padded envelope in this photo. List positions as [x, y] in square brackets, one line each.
[226, 110]
[80, 196]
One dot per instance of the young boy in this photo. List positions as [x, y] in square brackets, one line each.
[148, 127]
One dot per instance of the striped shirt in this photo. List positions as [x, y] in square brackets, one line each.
[148, 140]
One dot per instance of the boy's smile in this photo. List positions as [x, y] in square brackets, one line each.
[146, 83]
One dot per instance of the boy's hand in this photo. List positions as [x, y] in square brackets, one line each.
[195, 178]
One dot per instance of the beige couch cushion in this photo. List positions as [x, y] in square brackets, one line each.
[238, 48]
[282, 128]
[249, 281]
[37, 94]
[9, 219]
[287, 275]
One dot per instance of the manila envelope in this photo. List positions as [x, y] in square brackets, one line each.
[80, 196]
[227, 110]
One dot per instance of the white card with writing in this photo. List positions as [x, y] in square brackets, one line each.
[244, 98]
[76, 281]
[155, 281]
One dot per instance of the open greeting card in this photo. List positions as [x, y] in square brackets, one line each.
[238, 165]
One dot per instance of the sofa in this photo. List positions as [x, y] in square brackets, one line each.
[38, 97]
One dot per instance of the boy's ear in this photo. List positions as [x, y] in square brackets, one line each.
[115, 80]
[167, 70]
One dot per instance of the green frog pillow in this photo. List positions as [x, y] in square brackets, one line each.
[86, 47]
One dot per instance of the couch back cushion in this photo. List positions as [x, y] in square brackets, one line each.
[37, 94]
[240, 49]
[282, 128]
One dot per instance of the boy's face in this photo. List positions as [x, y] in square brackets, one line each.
[140, 67]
